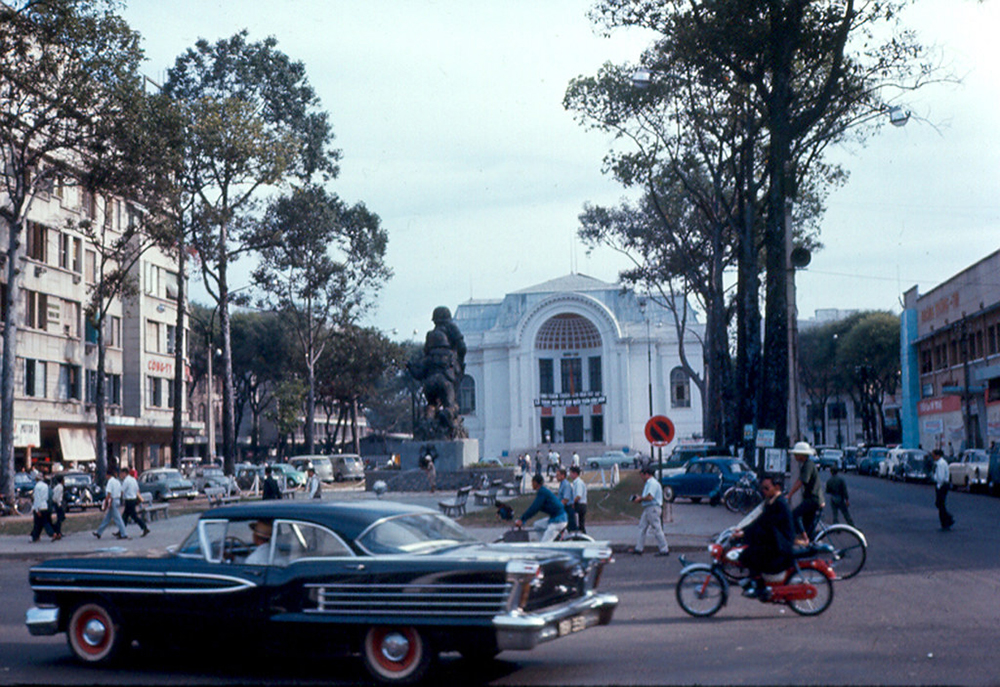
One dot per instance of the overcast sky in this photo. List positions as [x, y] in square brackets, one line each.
[449, 115]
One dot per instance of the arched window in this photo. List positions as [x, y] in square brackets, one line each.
[567, 332]
[467, 395]
[680, 389]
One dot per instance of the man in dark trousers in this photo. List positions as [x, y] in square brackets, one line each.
[836, 489]
[769, 539]
[941, 484]
[271, 490]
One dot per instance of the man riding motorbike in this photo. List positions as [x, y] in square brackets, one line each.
[769, 539]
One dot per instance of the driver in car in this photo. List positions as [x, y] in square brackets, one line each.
[769, 539]
[261, 530]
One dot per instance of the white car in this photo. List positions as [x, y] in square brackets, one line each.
[970, 470]
[890, 467]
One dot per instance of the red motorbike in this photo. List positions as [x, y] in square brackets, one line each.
[807, 586]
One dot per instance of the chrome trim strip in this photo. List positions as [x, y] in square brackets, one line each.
[91, 571]
[148, 590]
[487, 613]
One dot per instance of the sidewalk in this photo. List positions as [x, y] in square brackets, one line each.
[688, 528]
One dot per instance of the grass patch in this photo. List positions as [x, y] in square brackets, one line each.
[604, 505]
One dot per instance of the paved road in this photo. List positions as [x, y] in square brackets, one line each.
[924, 611]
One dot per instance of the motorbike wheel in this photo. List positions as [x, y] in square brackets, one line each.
[824, 592]
[731, 500]
[701, 593]
[849, 550]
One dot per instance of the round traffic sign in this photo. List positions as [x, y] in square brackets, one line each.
[659, 430]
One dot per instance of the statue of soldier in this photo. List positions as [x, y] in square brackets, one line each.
[440, 369]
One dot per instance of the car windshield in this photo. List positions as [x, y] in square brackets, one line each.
[213, 472]
[170, 474]
[413, 533]
[76, 480]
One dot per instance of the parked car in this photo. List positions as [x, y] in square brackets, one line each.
[891, 467]
[395, 582]
[704, 478]
[993, 474]
[914, 465]
[321, 464]
[209, 477]
[852, 456]
[830, 458]
[164, 484]
[869, 465]
[609, 459]
[347, 466]
[80, 490]
[23, 484]
[971, 470]
[293, 478]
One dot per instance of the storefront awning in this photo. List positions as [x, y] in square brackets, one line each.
[78, 444]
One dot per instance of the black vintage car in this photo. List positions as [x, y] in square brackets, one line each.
[80, 490]
[396, 583]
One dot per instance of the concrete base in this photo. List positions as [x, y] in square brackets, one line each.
[450, 456]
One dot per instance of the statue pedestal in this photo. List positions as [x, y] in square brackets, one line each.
[450, 456]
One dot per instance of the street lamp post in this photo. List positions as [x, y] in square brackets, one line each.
[643, 304]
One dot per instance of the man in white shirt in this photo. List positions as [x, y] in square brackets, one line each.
[261, 530]
[313, 485]
[41, 513]
[579, 498]
[112, 504]
[941, 483]
[652, 509]
[130, 494]
[576, 459]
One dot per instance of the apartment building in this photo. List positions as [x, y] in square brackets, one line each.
[56, 367]
[950, 353]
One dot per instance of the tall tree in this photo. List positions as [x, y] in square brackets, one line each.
[808, 71]
[66, 68]
[869, 355]
[321, 266]
[252, 122]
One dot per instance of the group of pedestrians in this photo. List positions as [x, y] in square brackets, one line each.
[567, 509]
[47, 502]
[121, 503]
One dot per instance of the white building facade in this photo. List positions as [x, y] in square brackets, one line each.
[574, 363]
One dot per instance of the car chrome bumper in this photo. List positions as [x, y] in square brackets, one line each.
[42, 621]
[519, 630]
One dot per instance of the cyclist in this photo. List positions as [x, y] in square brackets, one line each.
[806, 513]
[546, 502]
[769, 539]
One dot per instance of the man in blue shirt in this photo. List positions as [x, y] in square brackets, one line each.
[546, 502]
[565, 495]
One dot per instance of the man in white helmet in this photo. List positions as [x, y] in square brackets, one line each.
[806, 513]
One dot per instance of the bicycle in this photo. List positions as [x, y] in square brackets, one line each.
[534, 534]
[743, 496]
[850, 548]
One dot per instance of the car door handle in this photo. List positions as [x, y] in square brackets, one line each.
[355, 566]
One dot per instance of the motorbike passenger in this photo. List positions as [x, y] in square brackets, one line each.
[769, 539]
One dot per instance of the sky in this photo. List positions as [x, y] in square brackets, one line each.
[450, 120]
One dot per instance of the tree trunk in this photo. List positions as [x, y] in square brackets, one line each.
[10, 322]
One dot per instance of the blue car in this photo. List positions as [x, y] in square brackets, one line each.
[704, 478]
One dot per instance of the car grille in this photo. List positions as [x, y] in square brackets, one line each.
[453, 600]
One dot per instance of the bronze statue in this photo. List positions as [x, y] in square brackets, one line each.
[440, 368]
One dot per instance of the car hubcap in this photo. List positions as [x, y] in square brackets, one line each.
[395, 646]
[94, 632]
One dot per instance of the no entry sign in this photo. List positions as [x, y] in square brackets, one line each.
[659, 430]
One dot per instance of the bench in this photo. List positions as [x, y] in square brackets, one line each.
[486, 497]
[154, 511]
[457, 505]
[220, 496]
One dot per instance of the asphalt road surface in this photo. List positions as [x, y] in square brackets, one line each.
[924, 610]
